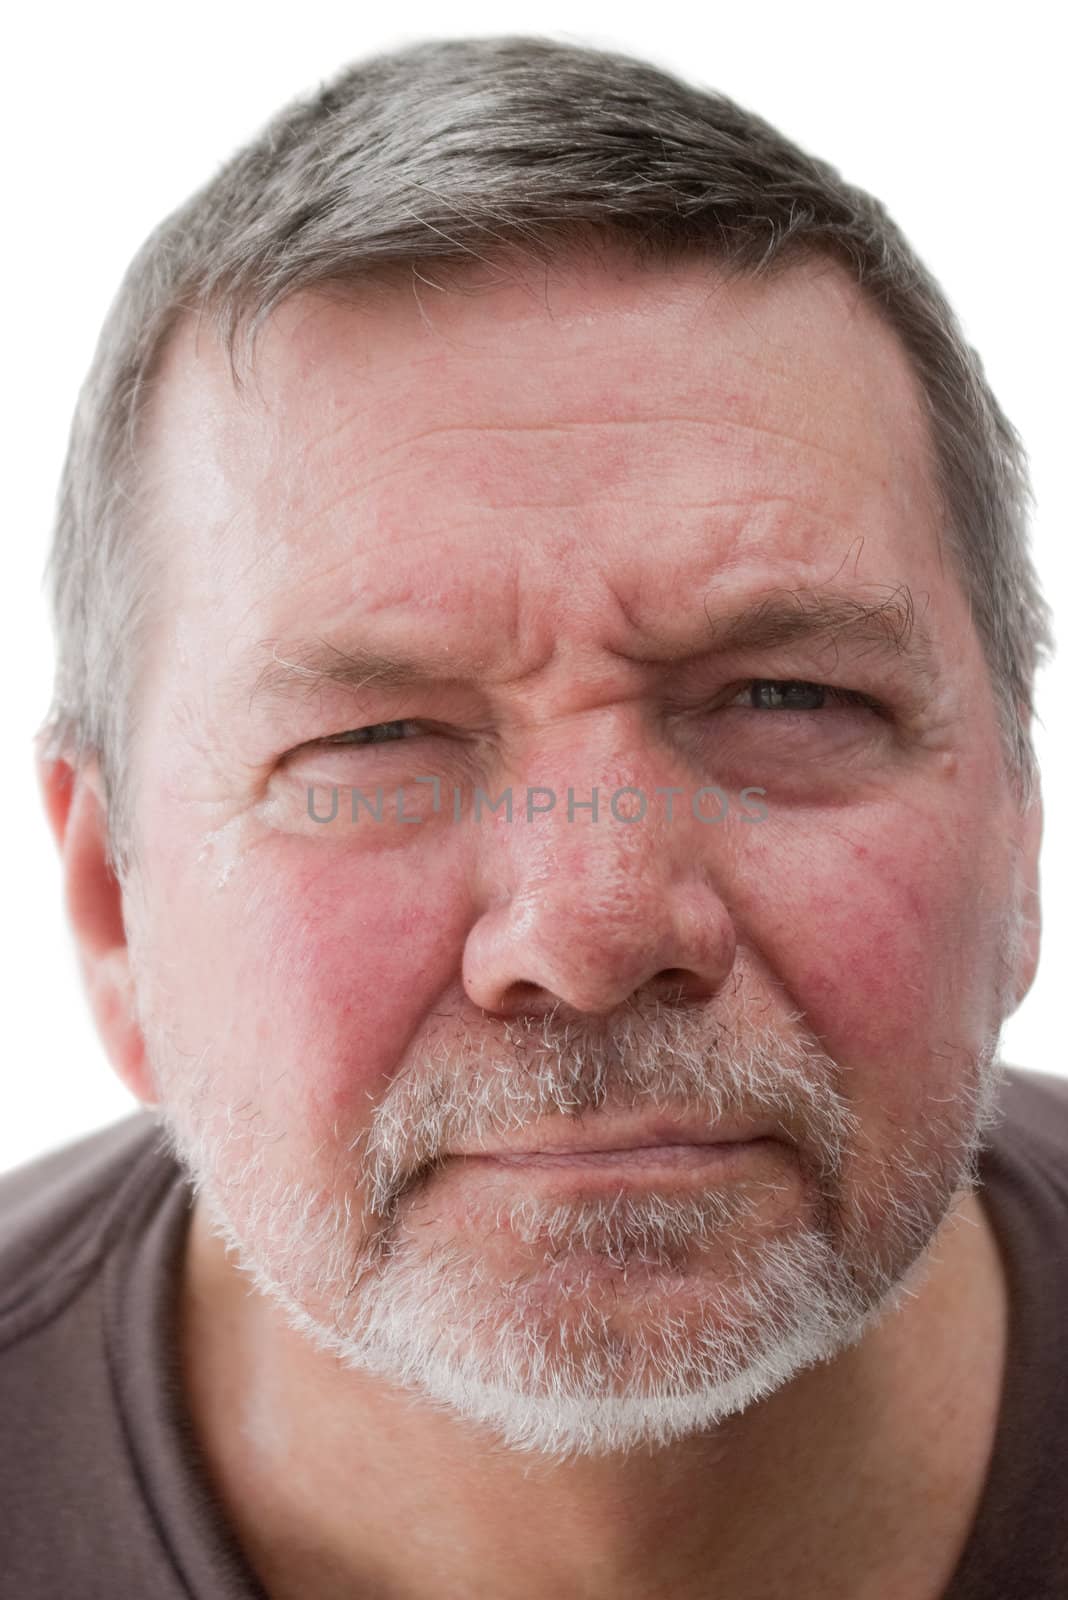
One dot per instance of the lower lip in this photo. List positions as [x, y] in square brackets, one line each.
[650, 1158]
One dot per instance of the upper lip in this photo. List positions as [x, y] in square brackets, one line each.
[602, 1134]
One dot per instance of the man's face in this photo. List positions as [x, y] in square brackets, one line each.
[588, 516]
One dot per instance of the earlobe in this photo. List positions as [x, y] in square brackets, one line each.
[77, 812]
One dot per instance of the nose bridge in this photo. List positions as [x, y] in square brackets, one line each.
[593, 811]
[599, 883]
[612, 829]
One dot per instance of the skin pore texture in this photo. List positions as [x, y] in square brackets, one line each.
[415, 1371]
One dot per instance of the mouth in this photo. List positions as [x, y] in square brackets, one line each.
[635, 1157]
[614, 1140]
[630, 1149]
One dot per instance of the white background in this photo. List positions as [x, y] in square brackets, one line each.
[950, 113]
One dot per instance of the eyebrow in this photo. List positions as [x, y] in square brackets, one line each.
[887, 628]
[312, 662]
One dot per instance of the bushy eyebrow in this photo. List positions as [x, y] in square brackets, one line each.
[888, 628]
[312, 662]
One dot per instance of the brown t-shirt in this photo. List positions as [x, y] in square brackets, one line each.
[103, 1495]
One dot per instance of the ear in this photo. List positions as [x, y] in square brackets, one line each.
[1028, 898]
[76, 807]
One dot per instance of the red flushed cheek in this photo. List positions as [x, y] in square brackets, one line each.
[307, 978]
[361, 953]
[895, 967]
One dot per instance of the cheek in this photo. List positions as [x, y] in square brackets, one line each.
[311, 971]
[374, 944]
[882, 932]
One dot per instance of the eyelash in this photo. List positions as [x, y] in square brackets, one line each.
[372, 727]
[845, 697]
[851, 697]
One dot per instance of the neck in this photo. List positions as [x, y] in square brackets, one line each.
[859, 1478]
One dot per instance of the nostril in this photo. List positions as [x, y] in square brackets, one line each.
[680, 983]
[513, 999]
[523, 996]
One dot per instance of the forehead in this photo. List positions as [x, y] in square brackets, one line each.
[464, 455]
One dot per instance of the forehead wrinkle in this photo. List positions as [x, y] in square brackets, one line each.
[722, 429]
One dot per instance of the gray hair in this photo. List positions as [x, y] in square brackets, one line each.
[451, 151]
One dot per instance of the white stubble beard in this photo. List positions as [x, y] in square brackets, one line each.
[543, 1366]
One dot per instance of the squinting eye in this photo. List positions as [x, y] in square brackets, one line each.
[793, 694]
[375, 733]
[760, 694]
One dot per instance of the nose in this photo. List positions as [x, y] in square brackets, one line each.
[589, 913]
